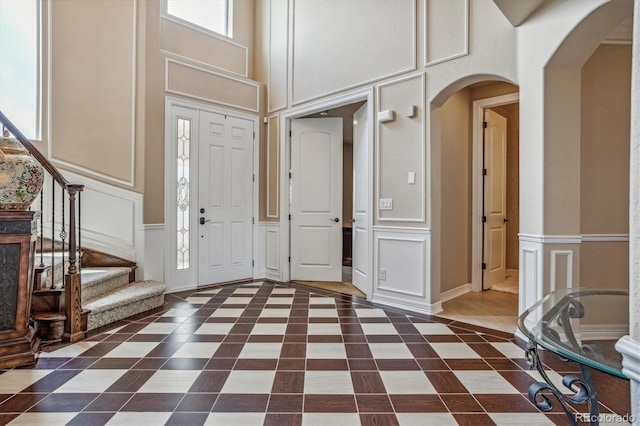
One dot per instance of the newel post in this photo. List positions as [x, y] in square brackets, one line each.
[72, 288]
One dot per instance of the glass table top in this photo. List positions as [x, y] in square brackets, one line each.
[581, 325]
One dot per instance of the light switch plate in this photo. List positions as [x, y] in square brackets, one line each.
[411, 178]
[386, 203]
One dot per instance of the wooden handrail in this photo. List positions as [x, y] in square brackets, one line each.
[55, 173]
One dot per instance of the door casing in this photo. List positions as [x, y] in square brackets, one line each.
[476, 193]
[285, 160]
[188, 279]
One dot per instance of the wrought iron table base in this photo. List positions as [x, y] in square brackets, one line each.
[583, 389]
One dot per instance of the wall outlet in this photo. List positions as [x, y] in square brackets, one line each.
[383, 274]
[386, 203]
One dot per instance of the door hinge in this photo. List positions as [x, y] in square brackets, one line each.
[254, 177]
[254, 135]
[290, 175]
[484, 266]
[484, 124]
[484, 172]
[289, 217]
[289, 259]
[253, 262]
[253, 220]
[484, 219]
[289, 133]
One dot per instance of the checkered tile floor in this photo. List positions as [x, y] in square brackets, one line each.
[265, 353]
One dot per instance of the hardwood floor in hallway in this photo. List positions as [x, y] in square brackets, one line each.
[491, 309]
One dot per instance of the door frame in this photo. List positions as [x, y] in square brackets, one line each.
[285, 160]
[187, 279]
[476, 185]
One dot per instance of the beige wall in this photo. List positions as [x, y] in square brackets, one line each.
[455, 248]
[604, 165]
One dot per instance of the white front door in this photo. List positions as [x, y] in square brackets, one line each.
[495, 193]
[360, 199]
[225, 198]
[316, 199]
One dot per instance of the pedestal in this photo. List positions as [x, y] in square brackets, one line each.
[18, 342]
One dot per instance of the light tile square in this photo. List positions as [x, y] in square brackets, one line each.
[319, 328]
[270, 329]
[129, 418]
[237, 300]
[261, 350]
[235, 419]
[275, 313]
[485, 382]
[407, 382]
[454, 350]
[49, 419]
[283, 290]
[323, 313]
[326, 351]
[160, 328]
[518, 419]
[249, 381]
[214, 328]
[413, 419]
[13, 381]
[246, 290]
[280, 301]
[390, 350]
[227, 313]
[131, 350]
[374, 328]
[198, 300]
[434, 328]
[322, 301]
[180, 312]
[197, 350]
[69, 351]
[170, 381]
[508, 349]
[328, 382]
[90, 381]
[333, 419]
[371, 313]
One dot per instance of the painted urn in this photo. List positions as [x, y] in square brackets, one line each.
[21, 176]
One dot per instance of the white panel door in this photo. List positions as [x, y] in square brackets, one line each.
[225, 198]
[360, 199]
[316, 199]
[495, 193]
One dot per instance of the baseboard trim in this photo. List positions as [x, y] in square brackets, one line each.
[603, 332]
[455, 292]
[428, 309]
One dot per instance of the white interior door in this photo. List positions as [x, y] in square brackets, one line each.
[360, 199]
[225, 198]
[316, 199]
[495, 201]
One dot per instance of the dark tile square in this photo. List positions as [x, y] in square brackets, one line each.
[417, 404]
[50, 363]
[256, 364]
[285, 403]
[59, 402]
[209, 381]
[474, 420]
[379, 419]
[384, 338]
[503, 364]
[371, 403]
[445, 382]
[291, 364]
[236, 338]
[367, 382]
[131, 381]
[78, 363]
[228, 350]
[397, 364]
[494, 403]
[433, 364]
[197, 402]
[238, 403]
[325, 338]
[442, 338]
[109, 402]
[422, 350]
[150, 364]
[51, 381]
[467, 364]
[115, 363]
[485, 350]
[461, 403]
[281, 419]
[164, 350]
[187, 419]
[288, 382]
[293, 350]
[21, 402]
[93, 419]
[362, 365]
[153, 402]
[185, 364]
[314, 403]
[327, 364]
[266, 338]
[358, 350]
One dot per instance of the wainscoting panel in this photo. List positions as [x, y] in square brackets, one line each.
[530, 275]
[152, 265]
[561, 269]
[401, 272]
[267, 252]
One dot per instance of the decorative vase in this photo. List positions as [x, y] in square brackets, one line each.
[21, 176]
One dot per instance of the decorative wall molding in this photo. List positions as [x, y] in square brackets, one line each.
[455, 292]
[272, 251]
[530, 277]
[111, 217]
[550, 239]
[210, 34]
[152, 265]
[555, 257]
[605, 238]
[464, 51]
[219, 81]
[602, 331]
[630, 350]
[273, 148]
[423, 153]
[281, 34]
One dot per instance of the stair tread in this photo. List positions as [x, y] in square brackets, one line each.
[93, 276]
[137, 290]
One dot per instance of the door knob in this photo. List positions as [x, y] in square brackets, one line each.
[505, 220]
[335, 219]
[353, 220]
[203, 221]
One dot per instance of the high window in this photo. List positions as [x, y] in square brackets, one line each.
[212, 15]
[20, 64]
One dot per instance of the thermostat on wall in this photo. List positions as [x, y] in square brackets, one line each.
[386, 116]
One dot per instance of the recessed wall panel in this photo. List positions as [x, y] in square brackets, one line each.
[363, 41]
[278, 54]
[273, 169]
[446, 30]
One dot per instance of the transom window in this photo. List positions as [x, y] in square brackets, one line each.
[20, 64]
[212, 15]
